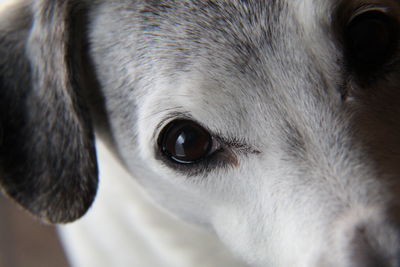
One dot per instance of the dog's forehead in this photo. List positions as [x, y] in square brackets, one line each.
[224, 62]
[244, 56]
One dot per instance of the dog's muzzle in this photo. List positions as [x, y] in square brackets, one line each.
[365, 237]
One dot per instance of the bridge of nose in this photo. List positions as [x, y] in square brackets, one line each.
[367, 237]
[365, 252]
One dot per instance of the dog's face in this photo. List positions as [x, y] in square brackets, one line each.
[274, 123]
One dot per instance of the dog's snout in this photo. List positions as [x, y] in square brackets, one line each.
[367, 237]
[365, 251]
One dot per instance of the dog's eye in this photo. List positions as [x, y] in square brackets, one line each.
[371, 38]
[184, 141]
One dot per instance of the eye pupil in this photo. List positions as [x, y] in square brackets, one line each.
[371, 39]
[185, 141]
[371, 36]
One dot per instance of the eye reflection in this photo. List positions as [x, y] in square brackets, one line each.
[185, 141]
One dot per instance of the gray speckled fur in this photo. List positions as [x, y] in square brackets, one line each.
[267, 74]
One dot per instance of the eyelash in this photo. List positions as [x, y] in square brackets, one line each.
[223, 154]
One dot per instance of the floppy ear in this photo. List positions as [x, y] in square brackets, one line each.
[47, 154]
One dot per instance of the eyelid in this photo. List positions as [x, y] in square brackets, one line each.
[384, 9]
[223, 153]
[219, 140]
[215, 145]
[368, 8]
[169, 118]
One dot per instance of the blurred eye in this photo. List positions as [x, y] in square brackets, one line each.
[184, 141]
[371, 38]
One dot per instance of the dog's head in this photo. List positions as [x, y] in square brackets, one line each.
[274, 123]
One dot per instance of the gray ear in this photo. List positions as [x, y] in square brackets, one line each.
[47, 154]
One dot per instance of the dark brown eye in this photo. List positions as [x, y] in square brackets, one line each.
[371, 39]
[185, 141]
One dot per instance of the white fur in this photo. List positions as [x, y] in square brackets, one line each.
[276, 208]
[126, 228]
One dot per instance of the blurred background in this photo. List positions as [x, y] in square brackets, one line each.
[25, 242]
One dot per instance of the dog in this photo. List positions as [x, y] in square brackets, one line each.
[273, 125]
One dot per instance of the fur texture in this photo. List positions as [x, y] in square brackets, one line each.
[308, 174]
